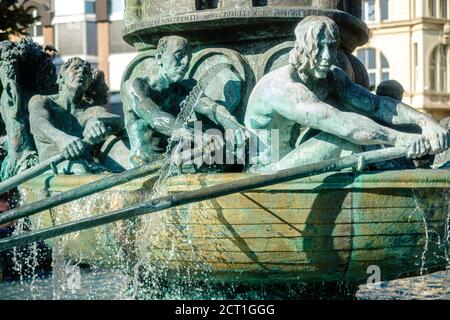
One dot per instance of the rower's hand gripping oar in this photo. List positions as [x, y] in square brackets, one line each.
[105, 183]
[32, 172]
[177, 199]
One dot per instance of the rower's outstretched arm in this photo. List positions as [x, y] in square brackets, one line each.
[390, 111]
[217, 113]
[307, 110]
[147, 109]
[113, 121]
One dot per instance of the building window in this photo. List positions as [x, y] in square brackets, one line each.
[384, 10]
[438, 8]
[91, 38]
[116, 7]
[35, 30]
[206, 4]
[416, 65]
[117, 44]
[375, 10]
[384, 68]
[443, 8]
[432, 8]
[89, 6]
[439, 66]
[368, 10]
[376, 64]
[70, 38]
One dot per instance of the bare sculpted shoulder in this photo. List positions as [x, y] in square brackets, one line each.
[269, 95]
[39, 103]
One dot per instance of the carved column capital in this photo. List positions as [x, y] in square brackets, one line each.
[446, 34]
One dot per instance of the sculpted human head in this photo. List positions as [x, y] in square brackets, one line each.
[392, 89]
[316, 46]
[97, 94]
[76, 75]
[173, 56]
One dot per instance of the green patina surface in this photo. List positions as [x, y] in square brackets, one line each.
[74, 121]
[326, 228]
[25, 70]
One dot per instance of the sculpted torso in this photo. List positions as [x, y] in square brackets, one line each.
[272, 107]
[312, 92]
[73, 121]
[147, 142]
[152, 103]
[70, 123]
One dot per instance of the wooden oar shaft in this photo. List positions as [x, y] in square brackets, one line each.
[174, 200]
[88, 189]
[80, 192]
[30, 173]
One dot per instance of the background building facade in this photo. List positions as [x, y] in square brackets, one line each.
[409, 43]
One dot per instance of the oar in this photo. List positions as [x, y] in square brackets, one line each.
[253, 182]
[30, 173]
[105, 183]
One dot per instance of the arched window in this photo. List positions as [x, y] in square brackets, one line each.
[384, 68]
[439, 66]
[376, 64]
[35, 30]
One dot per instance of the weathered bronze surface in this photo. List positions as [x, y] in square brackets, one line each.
[25, 70]
[74, 119]
[329, 228]
[313, 92]
[325, 228]
[152, 102]
[254, 37]
[235, 20]
[442, 160]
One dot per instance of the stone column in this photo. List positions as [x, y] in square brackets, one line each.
[49, 35]
[103, 41]
[103, 47]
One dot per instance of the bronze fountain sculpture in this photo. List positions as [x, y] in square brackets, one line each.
[284, 223]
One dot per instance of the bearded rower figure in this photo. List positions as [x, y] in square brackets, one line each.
[342, 116]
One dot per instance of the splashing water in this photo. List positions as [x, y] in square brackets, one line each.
[25, 259]
[169, 281]
[440, 239]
